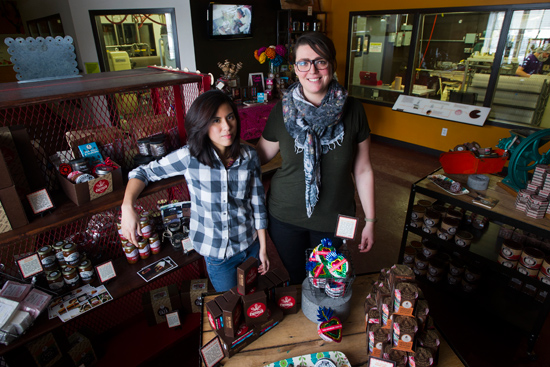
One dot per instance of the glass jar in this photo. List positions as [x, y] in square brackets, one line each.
[103, 170]
[144, 249]
[132, 254]
[58, 248]
[80, 164]
[71, 255]
[55, 280]
[86, 271]
[146, 229]
[143, 145]
[154, 243]
[71, 277]
[46, 255]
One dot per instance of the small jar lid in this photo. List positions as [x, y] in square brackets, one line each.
[465, 235]
[53, 275]
[85, 264]
[533, 252]
[103, 170]
[513, 245]
[68, 246]
[44, 250]
[68, 270]
[144, 140]
[453, 222]
[58, 245]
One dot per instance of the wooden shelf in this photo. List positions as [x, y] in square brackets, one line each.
[127, 281]
[66, 211]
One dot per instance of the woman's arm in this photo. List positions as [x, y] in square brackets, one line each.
[267, 150]
[130, 218]
[264, 259]
[364, 180]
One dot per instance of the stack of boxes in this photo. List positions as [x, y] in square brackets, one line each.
[534, 199]
[397, 321]
[257, 304]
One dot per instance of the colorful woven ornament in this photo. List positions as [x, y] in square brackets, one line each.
[262, 58]
[338, 267]
[330, 327]
[270, 52]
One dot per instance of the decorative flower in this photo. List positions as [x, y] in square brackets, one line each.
[275, 54]
[270, 52]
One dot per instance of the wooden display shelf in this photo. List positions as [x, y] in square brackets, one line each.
[127, 281]
[67, 212]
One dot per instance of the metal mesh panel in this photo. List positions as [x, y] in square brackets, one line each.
[115, 122]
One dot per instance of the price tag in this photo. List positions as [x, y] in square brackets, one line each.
[106, 271]
[346, 227]
[30, 266]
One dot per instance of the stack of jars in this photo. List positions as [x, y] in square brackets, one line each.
[65, 266]
[149, 241]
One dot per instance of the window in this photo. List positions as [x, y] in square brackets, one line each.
[465, 55]
[132, 39]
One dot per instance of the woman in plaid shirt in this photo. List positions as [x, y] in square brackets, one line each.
[228, 215]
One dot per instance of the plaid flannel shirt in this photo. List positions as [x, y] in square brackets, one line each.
[227, 205]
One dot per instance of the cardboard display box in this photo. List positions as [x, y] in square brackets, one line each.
[12, 213]
[191, 293]
[84, 192]
[158, 302]
[81, 350]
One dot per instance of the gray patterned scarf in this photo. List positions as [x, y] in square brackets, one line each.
[315, 130]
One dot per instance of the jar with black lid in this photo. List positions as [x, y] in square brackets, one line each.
[157, 146]
[71, 255]
[46, 255]
[58, 248]
[71, 277]
[86, 271]
[55, 280]
[143, 145]
[80, 164]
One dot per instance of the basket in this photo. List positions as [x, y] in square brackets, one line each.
[466, 162]
[333, 287]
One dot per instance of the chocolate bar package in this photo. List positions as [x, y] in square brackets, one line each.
[247, 276]
[231, 307]
[255, 308]
[275, 315]
[231, 346]
[215, 315]
[286, 299]
[282, 274]
[266, 285]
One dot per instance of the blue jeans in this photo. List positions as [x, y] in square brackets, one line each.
[223, 273]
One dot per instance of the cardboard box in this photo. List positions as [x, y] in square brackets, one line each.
[191, 294]
[12, 213]
[84, 192]
[21, 160]
[215, 315]
[255, 308]
[286, 299]
[5, 176]
[275, 316]
[247, 276]
[232, 311]
[245, 336]
[158, 302]
[44, 350]
[283, 275]
[81, 350]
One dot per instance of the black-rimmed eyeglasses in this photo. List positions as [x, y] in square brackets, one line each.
[305, 65]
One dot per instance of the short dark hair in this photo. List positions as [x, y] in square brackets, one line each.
[198, 121]
[321, 44]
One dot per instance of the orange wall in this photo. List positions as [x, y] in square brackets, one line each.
[419, 130]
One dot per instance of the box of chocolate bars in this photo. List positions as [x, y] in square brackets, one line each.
[255, 308]
[214, 314]
[231, 307]
[275, 315]
[247, 276]
[286, 299]
[282, 274]
[245, 336]
[266, 285]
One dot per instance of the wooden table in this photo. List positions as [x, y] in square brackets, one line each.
[296, 336]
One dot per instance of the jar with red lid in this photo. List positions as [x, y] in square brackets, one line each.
[71, 277]
[154, 243]
[55, 280]
[132, 254]
[86, 271]
[71, 255]
[58, 249]
[144, 249]
[46, 255]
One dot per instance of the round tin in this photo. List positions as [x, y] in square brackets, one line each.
[463, 239]
[472, 274]
[456, 267]
[408, 256]
[424, 203]
[453, 213]
[453, 279]
[432, 217]
[417, 245]
[450, 225]
[531, 258]
[527, 271]
[507, 262]
[418, 212]
[429, 249]
[157, 146]
[443, 234]
[436, 267]
[511, 250]
[420, 261]
[428, 229]
[80, 164]
[545, 267]
[103, 170]
[543, 278]
[143, 146]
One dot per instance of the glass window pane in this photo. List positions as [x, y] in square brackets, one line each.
[523, 86]
[379, 51]
[453, 49]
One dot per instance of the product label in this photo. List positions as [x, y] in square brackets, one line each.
[101, 186]
[256, 310]
[48, 260]
[59, 256]
[72, 259]
[86, 275]
[287, 302]
[251, 276]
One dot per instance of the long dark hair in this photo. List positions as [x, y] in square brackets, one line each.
[321, 44]
[198, 121]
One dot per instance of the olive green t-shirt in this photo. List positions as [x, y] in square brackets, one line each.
[286, 197]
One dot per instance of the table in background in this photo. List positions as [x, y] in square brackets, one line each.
[253, 118]
[296, 335]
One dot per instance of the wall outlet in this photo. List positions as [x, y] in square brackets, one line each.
[444, 131]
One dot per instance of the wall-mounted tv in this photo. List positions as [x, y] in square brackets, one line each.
[229, 21]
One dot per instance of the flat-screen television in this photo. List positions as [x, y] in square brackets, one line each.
[229, 21]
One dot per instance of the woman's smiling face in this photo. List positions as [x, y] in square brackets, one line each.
[314, 82]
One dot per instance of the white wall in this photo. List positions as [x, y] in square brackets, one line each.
[76, 22]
